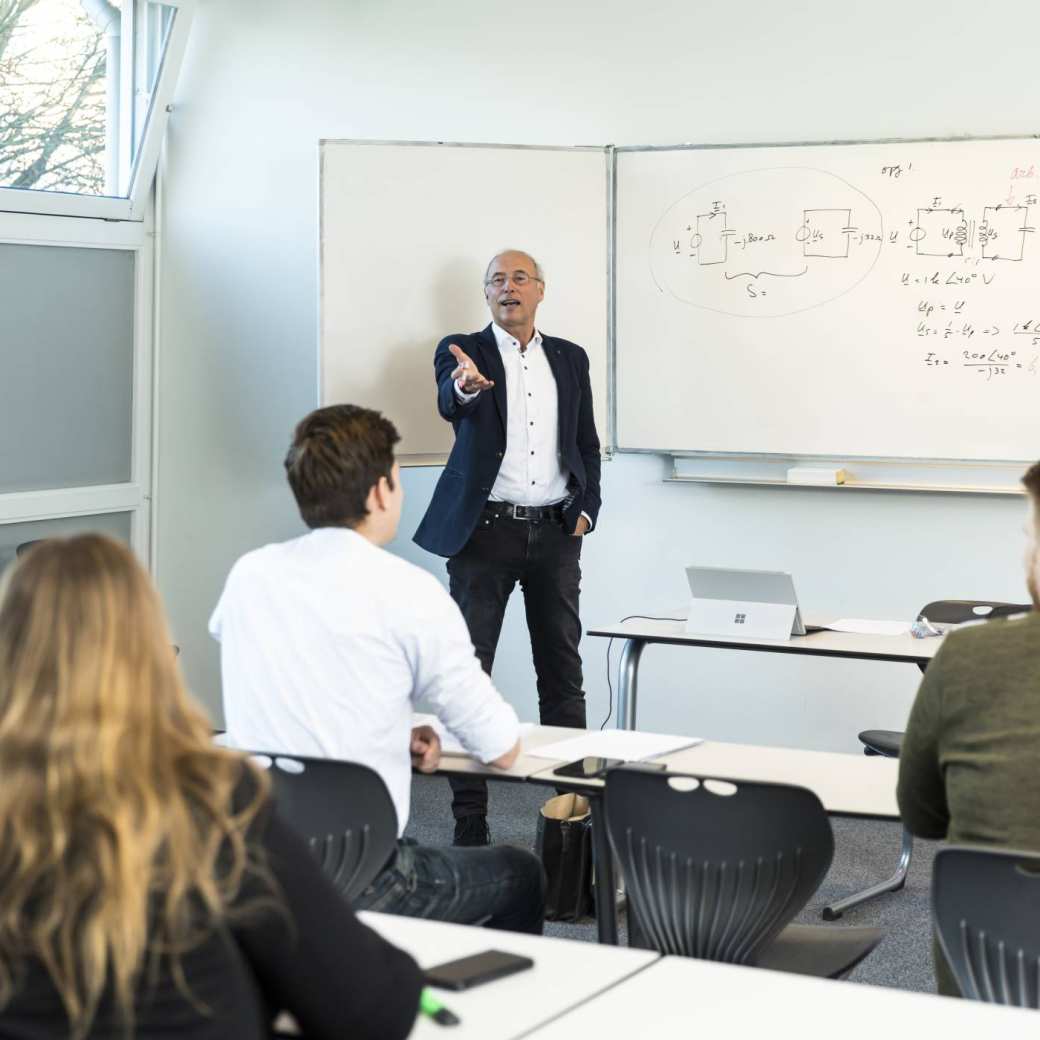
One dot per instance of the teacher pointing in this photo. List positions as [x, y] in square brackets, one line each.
[519, 491]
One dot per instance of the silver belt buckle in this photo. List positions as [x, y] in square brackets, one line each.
[520, 513]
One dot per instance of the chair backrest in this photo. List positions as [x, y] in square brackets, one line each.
[986, 905]
[955, 611]
[710, 874]
[344, 811]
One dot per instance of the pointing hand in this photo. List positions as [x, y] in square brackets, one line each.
[467, 374]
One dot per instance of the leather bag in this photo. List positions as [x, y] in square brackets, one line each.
[564, 845]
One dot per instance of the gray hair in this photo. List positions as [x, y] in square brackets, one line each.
[538, 272]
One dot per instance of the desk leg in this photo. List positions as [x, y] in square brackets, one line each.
[627, 685]
[606, 884]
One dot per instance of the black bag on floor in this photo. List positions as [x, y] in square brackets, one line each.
[565, 848]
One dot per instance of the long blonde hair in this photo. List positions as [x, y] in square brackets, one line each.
[118, 839]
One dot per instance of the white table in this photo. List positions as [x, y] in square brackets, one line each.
[847, 785]
[565, 973]
[681, 997]
[639, 633]
[524, 766]
[528, 767]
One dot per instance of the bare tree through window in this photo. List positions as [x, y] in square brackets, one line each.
[52, 96]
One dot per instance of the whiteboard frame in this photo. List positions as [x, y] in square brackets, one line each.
[923, 474]
[873, 472]
[419, 459]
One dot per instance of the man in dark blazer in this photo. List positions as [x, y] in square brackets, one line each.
[519, 492]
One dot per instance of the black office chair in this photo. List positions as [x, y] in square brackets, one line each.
[716, 869]
[344, 811]
[986, 906]
[887, 742]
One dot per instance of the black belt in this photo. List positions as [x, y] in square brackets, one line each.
[532, 513]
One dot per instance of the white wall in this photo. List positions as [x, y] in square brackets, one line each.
[264, 81]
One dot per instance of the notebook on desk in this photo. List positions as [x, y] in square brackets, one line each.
[746, 603]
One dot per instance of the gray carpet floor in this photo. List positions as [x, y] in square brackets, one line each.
[865, 852]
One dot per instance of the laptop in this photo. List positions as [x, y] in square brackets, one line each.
[746, 603]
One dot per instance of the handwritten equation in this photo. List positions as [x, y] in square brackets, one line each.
[947, 326]
[748, 244]
[987, 364]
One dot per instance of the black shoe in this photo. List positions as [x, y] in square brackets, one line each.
[472, 831]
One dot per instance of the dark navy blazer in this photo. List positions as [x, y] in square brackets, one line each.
[480, 438]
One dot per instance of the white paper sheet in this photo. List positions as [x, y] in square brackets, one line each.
[631, 745]
[868, 627]
[449, 742]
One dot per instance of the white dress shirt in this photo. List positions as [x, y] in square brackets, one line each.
[531, 473]
[327, 643]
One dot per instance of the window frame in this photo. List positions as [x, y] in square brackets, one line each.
[134, 206]
[135, 495]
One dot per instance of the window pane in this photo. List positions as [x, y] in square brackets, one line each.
[12, 535]
[76, 85]
[66, 366]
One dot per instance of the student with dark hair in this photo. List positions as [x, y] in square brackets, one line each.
[328, 641]
[147, 886]
[968, 764]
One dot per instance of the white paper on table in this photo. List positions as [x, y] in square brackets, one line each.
[867, 627]
[450, 744]
[630, 745]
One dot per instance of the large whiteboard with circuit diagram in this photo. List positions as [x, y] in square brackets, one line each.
[875, 300]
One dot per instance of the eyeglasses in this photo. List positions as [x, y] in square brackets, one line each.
[520, 278]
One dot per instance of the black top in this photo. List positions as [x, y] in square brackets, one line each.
[311, 956]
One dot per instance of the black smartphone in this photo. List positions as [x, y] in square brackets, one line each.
[588, 768]
[467, 972]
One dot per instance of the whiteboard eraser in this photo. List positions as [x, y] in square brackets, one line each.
[813, 475]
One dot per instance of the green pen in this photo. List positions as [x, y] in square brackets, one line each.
[430, 1005]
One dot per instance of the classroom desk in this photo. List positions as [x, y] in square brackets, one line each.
[528, 767]
[638, 633]
[566, 972]
[679, 996]
[525, 765]
[847, 785]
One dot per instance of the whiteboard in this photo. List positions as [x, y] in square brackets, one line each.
[872, 300]
[407, 231]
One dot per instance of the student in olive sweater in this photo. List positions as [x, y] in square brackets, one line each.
[968, 765]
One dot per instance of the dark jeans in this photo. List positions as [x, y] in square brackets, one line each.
[503, 887]
[545, 560]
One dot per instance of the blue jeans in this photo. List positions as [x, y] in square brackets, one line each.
[499, 886]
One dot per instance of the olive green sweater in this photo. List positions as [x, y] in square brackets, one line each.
[969, 768]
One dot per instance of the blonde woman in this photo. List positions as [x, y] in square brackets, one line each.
[147, 888]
